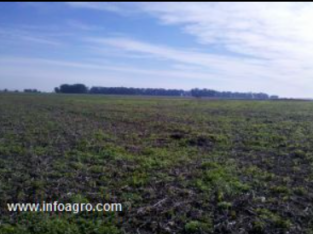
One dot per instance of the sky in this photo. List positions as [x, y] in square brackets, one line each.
[244, 47]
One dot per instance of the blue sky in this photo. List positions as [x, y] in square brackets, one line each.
[257, 47]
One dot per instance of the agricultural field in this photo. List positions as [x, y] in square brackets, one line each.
[176, 165]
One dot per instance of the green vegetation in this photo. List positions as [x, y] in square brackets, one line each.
[176, 165]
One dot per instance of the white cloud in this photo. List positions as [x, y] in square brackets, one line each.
[76, 24]
[46, 74]
[219, 65]
[264, 46]
[263, 30]
[13, 62]
[122, 8]
[16, 36]
[276, 37]
[177, 54]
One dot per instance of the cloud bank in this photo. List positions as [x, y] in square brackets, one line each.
[236, 46]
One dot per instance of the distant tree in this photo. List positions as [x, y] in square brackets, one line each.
[203, 93]
[274, 97]
[196, 93]
[56, 89]
[31, 91]
[75, 88]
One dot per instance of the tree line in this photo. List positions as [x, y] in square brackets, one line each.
[17, 91]
[198, 93]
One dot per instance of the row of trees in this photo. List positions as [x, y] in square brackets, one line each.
[230, 95]
[9, 91]
[75, 88]
[31, 91]
[17, 91]
[81, 88]
[137, 91]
